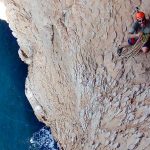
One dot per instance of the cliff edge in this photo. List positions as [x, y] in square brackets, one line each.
[75, 84]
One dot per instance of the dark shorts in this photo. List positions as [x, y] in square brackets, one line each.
[147, 44]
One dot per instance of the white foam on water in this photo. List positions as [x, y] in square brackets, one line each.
[43, 140]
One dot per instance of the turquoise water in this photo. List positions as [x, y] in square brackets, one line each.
[17, 120]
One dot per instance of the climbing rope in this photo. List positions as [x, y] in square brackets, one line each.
[134, 50]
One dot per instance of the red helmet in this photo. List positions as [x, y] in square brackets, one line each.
[139, 15]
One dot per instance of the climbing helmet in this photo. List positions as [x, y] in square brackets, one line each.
[140, 15]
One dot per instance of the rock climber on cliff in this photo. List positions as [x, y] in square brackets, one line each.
[140, 26]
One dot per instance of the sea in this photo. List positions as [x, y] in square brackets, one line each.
[19, 128]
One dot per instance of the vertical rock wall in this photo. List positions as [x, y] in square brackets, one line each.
[75, 83]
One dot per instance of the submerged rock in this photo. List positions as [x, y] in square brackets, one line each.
[43, 139]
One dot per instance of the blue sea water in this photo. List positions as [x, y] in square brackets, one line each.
[18, 125]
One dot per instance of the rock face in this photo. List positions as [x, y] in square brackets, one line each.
[74, 84]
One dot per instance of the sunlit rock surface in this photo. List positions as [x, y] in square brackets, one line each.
[2, 11]
[75, 83]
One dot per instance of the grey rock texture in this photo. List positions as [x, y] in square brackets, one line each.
[74, 84]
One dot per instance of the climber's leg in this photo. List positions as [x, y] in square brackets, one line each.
[145, 49]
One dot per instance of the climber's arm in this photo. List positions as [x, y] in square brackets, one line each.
[133, 32]
[134, 35]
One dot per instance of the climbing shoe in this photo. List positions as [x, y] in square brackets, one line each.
[119, 51]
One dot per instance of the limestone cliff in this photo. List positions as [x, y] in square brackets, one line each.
[90, 101]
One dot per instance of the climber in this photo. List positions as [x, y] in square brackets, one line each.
[140, 26]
